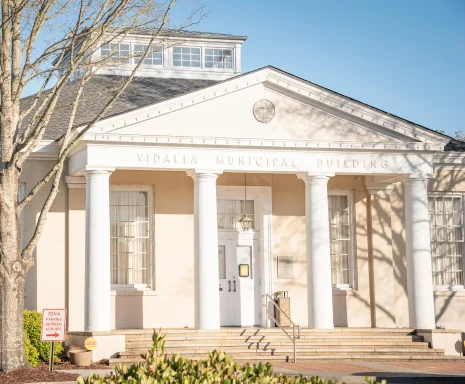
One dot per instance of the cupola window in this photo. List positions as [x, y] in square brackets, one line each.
[118, 52]
[186, 57]
[218, 58]
[155, 56]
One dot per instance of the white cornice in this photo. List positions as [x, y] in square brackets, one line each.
[45, 150]
[258, 143]
[284, 81]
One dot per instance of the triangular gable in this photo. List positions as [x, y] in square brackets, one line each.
[303, 111]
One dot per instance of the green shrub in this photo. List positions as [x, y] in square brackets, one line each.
[32, 325]
[217, 368]
[32, 355]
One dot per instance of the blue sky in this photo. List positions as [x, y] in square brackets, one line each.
[405, 57]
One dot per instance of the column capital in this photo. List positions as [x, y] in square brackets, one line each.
[314, 176]
[414, 177]
[203, 173]
[99, 170]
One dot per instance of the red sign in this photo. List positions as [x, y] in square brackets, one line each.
[53, 325]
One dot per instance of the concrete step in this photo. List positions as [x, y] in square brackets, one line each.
[238, 351]
[316, 358]
[274, 337]
[251, 330]
[222, 346]
[244, 343]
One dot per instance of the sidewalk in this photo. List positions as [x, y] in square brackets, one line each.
[398, 373]
[355, 373]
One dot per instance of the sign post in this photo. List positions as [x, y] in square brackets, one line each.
[53, 329]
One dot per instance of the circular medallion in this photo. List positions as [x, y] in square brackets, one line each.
[263, 110]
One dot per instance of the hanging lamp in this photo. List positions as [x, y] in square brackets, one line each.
[246, 222]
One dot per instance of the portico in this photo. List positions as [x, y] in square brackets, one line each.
[102, 154]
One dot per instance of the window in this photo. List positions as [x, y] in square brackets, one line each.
[218, 58]
[341, 235]
[186, 57]
[222, 261]
[153, 58]
[446, 226]
[231, 211]
[118, 52]
[130, 236]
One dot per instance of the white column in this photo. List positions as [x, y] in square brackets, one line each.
[419, 273]
[207, 297]
[319, 285]
[97, 288]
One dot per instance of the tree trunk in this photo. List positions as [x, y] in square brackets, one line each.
[11, 326]
[13, 272]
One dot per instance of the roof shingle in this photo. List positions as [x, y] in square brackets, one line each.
[142, 91]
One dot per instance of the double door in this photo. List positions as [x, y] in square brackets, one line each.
[237, 259]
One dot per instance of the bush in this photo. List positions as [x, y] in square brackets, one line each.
[32, 325]
[32, 355]
[217, 368]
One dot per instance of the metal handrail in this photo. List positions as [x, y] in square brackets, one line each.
[268, 298]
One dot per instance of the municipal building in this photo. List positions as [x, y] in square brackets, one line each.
[204, 189]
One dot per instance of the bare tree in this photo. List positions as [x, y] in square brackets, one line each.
[79, 28]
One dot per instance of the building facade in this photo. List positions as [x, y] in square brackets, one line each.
[356, 213]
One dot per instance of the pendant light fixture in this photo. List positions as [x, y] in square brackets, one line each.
[246, 222]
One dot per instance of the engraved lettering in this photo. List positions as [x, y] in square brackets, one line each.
[141, 156]
[258, 161]
[167, 159]
[219, 160]
[384, 164]
[284, 163]
[320, 162]
[355, 163]
[230, 160]
[241, 160]
[194, 160]
[373, 163]
[156, 158]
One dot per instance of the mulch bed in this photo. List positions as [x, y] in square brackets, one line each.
[41, 374]
[35, 375]
[102, 364]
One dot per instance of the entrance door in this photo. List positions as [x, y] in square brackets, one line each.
[237, 256]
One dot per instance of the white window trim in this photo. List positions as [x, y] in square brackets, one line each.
[460, 287]
[219, 69]
[143, 65]
[151, 254]
[188, 68]
[352, 247]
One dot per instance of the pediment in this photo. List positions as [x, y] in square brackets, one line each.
[226, 111]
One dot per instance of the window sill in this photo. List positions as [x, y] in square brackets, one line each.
[447, 291]
[343, 291]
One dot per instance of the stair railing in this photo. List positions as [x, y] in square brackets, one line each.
[266, 298]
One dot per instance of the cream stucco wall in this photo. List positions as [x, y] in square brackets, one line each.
[46, 281]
